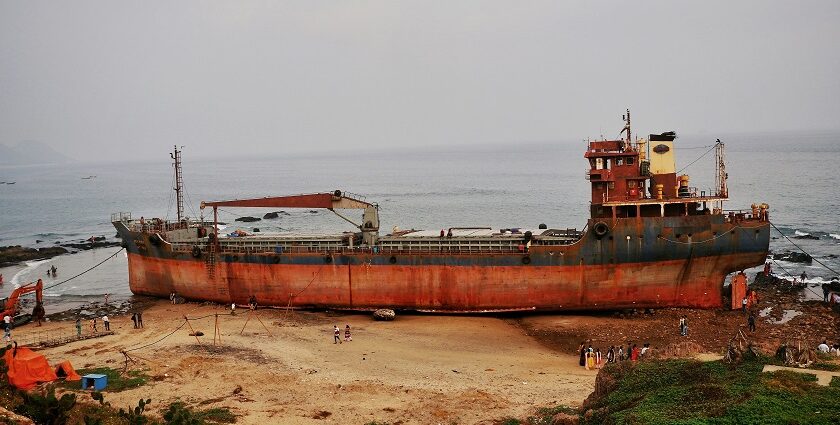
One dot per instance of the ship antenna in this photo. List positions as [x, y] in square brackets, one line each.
[179, 183]
[629, 138]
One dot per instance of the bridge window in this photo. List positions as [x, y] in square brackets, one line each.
[629, 160]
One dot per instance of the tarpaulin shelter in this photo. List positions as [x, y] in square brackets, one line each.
[27, 368]
[65, 370]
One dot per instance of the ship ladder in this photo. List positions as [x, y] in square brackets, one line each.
[210, 260]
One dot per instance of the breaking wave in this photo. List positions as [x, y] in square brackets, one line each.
[834, 235]
[800, 233]
[30, 267]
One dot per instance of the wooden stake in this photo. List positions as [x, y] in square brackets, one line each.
[264, 326]
[193, 330]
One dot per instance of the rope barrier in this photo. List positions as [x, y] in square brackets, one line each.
[97, 265]
[153, 343]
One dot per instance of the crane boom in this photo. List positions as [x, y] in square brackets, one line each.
[330, 201]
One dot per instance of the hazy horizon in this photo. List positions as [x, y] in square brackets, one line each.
[108, 81]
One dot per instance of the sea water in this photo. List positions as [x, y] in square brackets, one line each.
[520, 185]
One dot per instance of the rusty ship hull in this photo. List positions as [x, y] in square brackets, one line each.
[639, 263]
[651, 240]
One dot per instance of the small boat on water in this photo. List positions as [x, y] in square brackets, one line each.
[88, 177]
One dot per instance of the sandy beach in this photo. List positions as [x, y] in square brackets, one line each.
[416, 369]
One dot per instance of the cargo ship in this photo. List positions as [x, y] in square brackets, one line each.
[651, 241]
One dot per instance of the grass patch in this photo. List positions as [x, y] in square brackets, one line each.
[116, 381]
[692, 392]
[180, 413]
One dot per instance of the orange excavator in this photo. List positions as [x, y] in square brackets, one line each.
[11, 305]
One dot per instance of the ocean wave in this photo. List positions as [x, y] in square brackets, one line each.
[800, 233]
[30, 267]
[834, 235]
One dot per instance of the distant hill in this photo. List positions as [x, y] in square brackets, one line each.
[30, 152]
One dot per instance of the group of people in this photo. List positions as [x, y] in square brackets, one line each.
[593, 359]
[825, 348]
[52, 271]
[337, 334]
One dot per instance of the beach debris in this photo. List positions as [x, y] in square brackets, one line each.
[197, 333]
[799, 354]
[323, 414]
[248, 219]
[384, 314]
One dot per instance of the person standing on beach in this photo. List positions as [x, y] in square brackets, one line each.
[140, 319]
[744, 305]
[751, 322]
[172, 297]
[93, 325]
[7, 328]
[106, 322]
[78, 327]
[233, 309]
[336, 335]
[347, 336]
[634, 353]
[134, 319]
[598, 359]
[582, 350]
[621, 353]
[590, 358]
[54, 270]
[106, 298]
[611, 354]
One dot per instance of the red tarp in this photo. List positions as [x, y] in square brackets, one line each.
[66, 370]
[27, 368]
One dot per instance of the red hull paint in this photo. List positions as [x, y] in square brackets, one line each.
[674, 283]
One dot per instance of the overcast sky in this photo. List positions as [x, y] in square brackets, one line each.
[112, 78]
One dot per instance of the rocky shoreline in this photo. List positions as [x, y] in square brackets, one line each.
[16, 254]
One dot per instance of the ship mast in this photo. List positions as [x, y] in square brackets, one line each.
[720, 170]
[179, 183]
[626, 128]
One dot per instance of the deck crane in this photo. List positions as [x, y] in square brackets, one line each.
[330, 201]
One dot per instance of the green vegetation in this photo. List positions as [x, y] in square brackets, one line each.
[689, 392]
[179, 414]
[47, 409]
[116, 380]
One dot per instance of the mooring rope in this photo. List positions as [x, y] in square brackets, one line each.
[803, 251]
[97, 265]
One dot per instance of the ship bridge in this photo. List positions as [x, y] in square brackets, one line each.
[638, 178]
